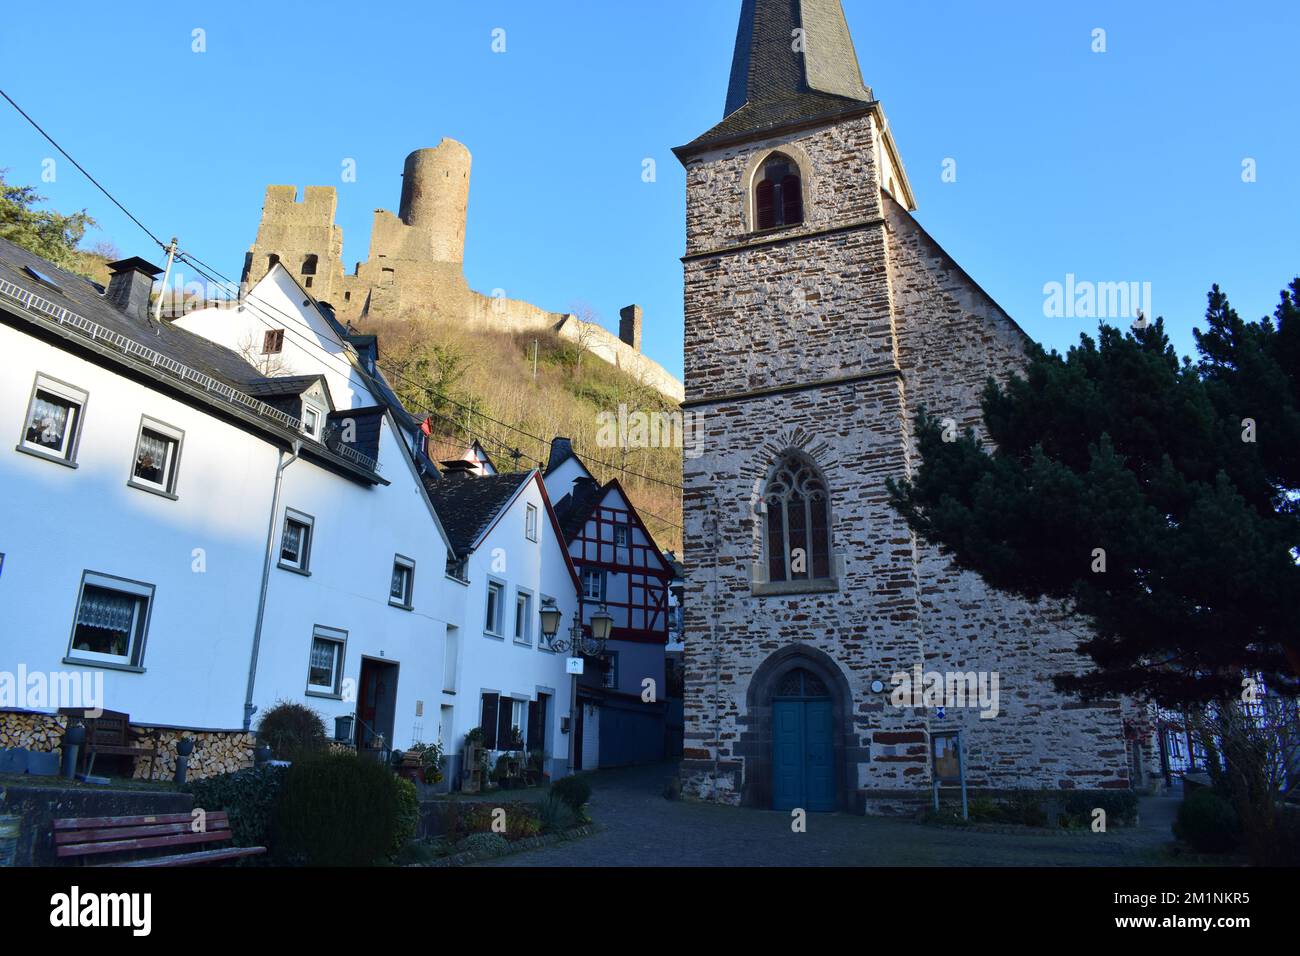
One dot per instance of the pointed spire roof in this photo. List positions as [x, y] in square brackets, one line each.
[794, 62]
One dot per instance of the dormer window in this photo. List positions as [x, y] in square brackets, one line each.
[312, 419]
[778, 193]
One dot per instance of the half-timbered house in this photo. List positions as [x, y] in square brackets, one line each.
[621, 569]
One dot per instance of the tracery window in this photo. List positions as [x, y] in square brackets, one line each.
[796, 541]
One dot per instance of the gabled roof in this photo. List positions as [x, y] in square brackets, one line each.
[73, 312]
[285, 385]
[86, 298]
[468, 506]
[794, 62]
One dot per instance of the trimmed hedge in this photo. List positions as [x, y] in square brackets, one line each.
[292, 731]
[249, 797]
[340, 810]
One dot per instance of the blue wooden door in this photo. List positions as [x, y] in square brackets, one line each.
[803, 765]
[819, 757]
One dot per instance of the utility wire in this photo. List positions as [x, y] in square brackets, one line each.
[94, 181]
[215, 275]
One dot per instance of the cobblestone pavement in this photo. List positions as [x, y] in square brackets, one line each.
[644, 829]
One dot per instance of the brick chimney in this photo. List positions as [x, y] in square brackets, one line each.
[129, 285]
[629, 326]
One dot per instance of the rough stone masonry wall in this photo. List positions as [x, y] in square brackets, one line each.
[951, 338]
[775, 314]
[872, 298]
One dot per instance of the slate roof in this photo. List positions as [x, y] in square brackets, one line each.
[467, 506]
[188, 352]
[773, 84]
[573, 510]
[366, 424]
[86, 299]
[279, 387]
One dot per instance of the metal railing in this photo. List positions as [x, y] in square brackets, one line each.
[99, 334]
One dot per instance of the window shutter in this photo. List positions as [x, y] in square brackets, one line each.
[765, 205]
[491, 705]
[535, 725]
[504, 722]
[791, 201]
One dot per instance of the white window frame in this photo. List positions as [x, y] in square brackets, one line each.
[530, 522]
[77, 398]
[133, 659]
[303, 566]
[176, 439]
[527, 637]
[610, 678]
[406, 601]
[316, 432]
[626, 531]
[339, 638]
[599, 576]
[493, 628]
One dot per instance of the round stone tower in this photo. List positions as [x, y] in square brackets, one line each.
[435, 198]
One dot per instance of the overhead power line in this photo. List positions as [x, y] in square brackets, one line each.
[216, 276]
[93, 180]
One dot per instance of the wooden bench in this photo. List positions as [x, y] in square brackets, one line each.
[110, 733]
[87, 837]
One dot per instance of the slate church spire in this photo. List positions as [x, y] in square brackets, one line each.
[789, 48]
[794, 61]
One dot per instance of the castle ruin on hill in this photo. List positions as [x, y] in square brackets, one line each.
[415, 268]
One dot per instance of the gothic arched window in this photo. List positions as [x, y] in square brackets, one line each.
[797, 530]
[778, 193]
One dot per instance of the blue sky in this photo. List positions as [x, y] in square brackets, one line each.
[1116, 166]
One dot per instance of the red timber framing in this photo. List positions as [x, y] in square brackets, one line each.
[636, 577]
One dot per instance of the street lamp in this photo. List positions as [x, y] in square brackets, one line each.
[550, 620]
[601, 626]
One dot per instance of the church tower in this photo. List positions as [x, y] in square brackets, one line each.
[818, 316]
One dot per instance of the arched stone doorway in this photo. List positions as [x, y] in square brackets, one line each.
[800, 700]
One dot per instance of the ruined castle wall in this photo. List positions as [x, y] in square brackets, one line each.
[414, 271]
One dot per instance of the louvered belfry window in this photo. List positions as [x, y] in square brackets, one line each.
[797, 531]
[778, 194]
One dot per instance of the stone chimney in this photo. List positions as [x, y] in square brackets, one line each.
[129, 285]
[561, 449]
[629, 326]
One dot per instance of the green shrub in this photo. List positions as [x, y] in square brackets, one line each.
[408, 813]
[1026, 809]
[1121, 806]
[338, 810]
[249, 797]
[575, 791]
[554, 815]
[292, 731]
[1207, 822]
[487, 844]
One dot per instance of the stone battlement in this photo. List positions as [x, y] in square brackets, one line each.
[415, 269]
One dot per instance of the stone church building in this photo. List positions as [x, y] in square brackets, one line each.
[819, 316]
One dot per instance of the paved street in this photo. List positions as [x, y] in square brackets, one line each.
[644, 829]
